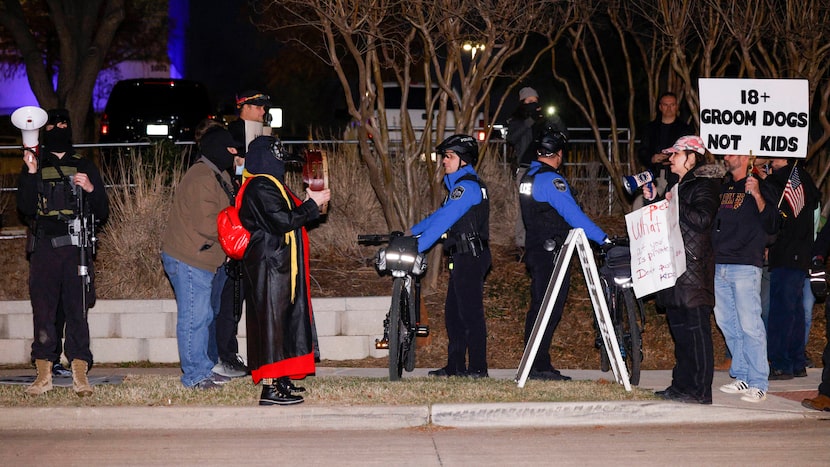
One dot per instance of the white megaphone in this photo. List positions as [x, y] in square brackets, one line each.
[632, 183]
[29, 120]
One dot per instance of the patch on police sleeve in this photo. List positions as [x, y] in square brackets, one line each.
[457, 192]
[560, 184]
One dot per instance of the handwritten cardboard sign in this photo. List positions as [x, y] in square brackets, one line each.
[759, 117]
[658, 256]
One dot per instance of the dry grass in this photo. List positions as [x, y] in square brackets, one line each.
[140, 198]
[154, 390]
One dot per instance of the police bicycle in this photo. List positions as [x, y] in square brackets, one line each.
[401, 260]
[626, 311]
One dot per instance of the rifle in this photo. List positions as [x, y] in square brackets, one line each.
[82, 232]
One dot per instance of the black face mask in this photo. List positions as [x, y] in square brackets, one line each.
[531, 109]
[58, 140]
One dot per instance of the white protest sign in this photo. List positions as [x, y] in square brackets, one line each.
[759, 117]
[658, 256]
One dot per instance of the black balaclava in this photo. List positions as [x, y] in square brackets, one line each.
[214, 146]
[262, 158]
[58, 139]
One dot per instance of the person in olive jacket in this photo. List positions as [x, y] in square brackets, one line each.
[689, 303]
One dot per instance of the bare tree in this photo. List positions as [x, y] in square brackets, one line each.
[370, 42]
[601, 82]
[68, 42]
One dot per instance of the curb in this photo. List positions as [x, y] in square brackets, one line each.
[497, 415]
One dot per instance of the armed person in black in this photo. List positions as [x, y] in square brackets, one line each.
[61, 196]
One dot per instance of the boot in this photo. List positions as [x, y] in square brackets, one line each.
[286, 385]
[275, 394]
[43, 382]
[80, 383]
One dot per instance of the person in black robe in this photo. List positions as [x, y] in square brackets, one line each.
[278, 302]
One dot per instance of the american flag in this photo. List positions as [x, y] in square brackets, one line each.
[794, 192]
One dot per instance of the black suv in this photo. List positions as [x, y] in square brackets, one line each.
[140, 109]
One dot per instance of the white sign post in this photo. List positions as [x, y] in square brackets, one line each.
[757, 117]
[658, 256]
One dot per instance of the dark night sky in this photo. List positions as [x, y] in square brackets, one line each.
[225, 51]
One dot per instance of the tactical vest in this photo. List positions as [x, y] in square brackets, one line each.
[56, 193]
[470, 233]
[542, 221]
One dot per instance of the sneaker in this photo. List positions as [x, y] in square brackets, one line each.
[227, 369]
[754, 395]
[219, 379]
[60, 370]
[205, 384]
[735, 387]
[237, 363]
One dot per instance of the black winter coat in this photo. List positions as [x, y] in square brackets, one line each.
[699, 193]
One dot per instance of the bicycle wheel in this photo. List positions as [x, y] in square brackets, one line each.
[632, 337]
[409, 324]
[400, 305]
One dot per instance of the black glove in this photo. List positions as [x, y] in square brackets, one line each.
[606, 245]
[818, 280]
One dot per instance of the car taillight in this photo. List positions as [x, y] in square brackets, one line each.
[105, 125]
[480, 135]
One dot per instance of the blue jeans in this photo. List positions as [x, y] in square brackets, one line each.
[785, 330]
[192, 287]
[738, 313]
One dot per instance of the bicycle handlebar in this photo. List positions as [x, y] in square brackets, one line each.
[377, 239]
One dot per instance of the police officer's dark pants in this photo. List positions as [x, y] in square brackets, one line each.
[540, 266]
[464, 313]
[54, 282]
[226, 322]
[694, 369]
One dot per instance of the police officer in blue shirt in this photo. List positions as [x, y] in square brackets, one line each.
[549, 211]
[463, 221]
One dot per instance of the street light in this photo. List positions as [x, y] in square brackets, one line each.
[551, 110]
[472, 48]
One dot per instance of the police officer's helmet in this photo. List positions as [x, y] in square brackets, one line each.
[464, 146]
[551, 142]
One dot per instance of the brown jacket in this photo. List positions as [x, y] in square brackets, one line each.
[191, 235]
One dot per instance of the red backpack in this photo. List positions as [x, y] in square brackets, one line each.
[233, 236]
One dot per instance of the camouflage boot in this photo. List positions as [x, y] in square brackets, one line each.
[43, 382]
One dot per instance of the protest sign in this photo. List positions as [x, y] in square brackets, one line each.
[758, 117]
[658, 256]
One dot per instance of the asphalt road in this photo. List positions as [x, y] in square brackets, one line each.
[801, 442]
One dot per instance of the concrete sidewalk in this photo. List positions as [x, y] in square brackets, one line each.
[783, 403]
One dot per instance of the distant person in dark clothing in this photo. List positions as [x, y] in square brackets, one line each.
[524, 129]
[789, 260]
[661, 133]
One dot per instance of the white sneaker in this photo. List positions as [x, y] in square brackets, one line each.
[754, 395]
[735, 387]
